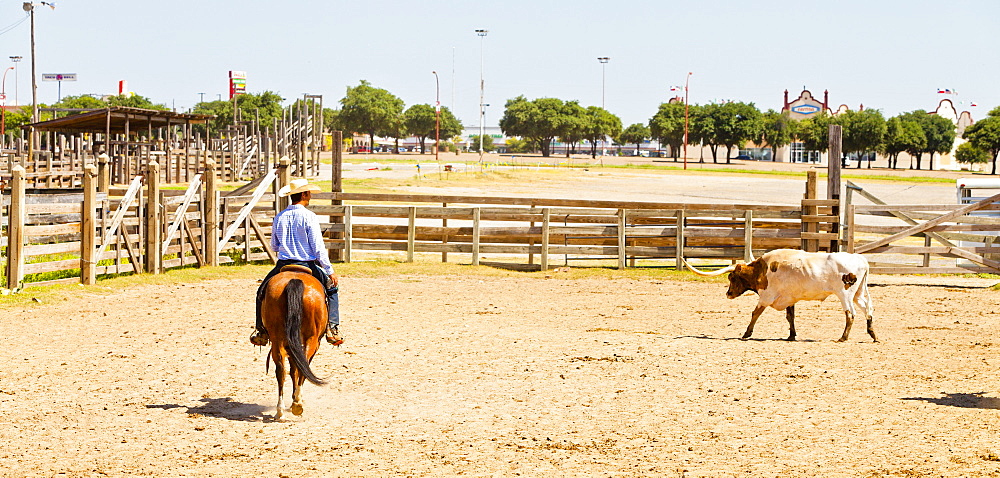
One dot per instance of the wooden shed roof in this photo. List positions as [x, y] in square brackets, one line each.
[115, 118]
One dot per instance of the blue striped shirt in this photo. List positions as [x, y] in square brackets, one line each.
[296, 235]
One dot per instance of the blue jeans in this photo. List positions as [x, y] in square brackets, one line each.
[332, 299]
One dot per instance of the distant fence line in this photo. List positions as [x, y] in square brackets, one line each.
[143, 228]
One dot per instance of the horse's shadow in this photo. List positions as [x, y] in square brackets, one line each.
[962, 400]
[224, 407]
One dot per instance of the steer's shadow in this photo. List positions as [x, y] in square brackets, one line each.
[962, 400]
[739, 339]
[222, 408]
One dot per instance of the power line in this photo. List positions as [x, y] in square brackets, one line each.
[14, 25]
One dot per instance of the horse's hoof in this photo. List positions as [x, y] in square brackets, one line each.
[277, 416]
[296, 409]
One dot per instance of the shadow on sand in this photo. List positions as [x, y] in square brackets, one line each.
[223, 408]
[962, 400]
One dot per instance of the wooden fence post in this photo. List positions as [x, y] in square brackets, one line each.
[621, 238]
[103, 173]
[348, 236]
[544, 260]
[411, 233]
[475, 236]
[210, 231]
[154, 253]
[337, 186]
[284, 177]
[15, 228]
[849, 234]
[833, 178]
[679, 240]
[748, 235]
[88, 232]
[810, 245]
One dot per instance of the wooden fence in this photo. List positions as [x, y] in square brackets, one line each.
[575, 229]
[926, 239]
[143, 228]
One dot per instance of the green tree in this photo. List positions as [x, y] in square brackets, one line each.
[372, 111]
[777, 130]
[985, 135]
[730, 125]
[331, 120]
[863, 131]
[968, 153]
[600, 125]
[742, 123]
[135, 101]
[939, 131]
[474, 143]
[902, 136]
[264, 108]
[814, 132]
[635, 134]
[422, 121]
[540, 120]
[667, 127]
[81, 102]
[518, 145]
[14, 119]
[574, 125]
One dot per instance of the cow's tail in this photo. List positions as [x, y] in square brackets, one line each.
[862, 297]
[294, 290]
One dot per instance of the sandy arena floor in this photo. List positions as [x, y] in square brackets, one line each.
[444, 376]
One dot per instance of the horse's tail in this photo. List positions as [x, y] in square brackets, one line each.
[293, 330]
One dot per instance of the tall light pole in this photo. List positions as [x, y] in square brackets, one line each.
[3, 104]
[16, 60]
[30, 8]
[482, 88]
[686, 81]
[604, 61]
[437, 117]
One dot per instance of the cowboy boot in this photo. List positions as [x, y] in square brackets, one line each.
[333, 317]
[259, 337]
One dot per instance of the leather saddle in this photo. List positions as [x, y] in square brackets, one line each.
[296, 268]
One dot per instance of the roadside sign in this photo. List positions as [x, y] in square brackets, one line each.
[58, 76]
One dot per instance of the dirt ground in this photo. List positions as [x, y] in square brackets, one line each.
[520, 376]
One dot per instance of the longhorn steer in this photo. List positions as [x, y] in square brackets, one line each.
[785, 276]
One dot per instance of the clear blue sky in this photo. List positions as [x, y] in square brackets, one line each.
[892, 55]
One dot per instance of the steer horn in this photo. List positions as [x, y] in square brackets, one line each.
[710, 274]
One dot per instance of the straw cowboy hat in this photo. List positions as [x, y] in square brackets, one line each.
[296, 186]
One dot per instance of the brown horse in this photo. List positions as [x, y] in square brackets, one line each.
[294, 314]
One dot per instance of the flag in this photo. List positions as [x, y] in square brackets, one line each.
[973, 104]
[675, 88]
[944, 91]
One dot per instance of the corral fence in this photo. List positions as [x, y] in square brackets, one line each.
[518, 229]
[125, 140]
[924, 238]
[76, 235]
[92, 231]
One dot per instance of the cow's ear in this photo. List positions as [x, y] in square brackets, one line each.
[738, 268]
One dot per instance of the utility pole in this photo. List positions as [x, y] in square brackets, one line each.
[482, 88]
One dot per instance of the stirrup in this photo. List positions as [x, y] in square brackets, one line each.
[333, 336]
[259, 338]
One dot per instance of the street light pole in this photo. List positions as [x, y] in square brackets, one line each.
[686, 81]
[3, 105]
[482, 88]
[437, 117]
[30, 8]
[16, 60]
[604, 61]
